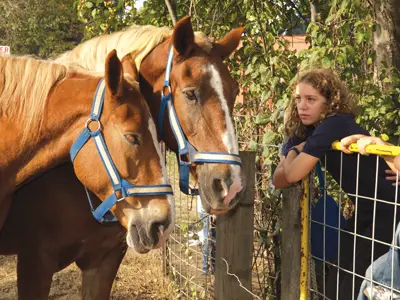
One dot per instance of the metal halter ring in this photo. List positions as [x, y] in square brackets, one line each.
[169, 90]
[121, 199]
[90, 121]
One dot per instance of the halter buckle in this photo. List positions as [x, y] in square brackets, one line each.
[90, 120]
[169, 90]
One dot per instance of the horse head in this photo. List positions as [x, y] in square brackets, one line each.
[130, 172]
[203, 95]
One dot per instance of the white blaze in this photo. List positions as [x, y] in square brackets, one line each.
[164, 179]
[229, 137]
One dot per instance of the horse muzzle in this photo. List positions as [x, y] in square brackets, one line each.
[220, 187]
[145, 237]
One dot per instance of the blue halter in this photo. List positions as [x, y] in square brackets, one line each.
[122, 186]
[187, 154]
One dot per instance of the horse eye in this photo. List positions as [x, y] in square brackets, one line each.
[190, 95]
[133, 139]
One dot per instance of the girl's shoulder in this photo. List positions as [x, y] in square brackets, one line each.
[337, 122]
[339, 126]
[339, 117]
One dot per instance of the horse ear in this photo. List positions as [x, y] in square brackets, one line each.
[229, 42]
[183, 36]
[113, 74]
[129, 66]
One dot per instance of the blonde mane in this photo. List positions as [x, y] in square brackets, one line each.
[136, 40]
[25, 83]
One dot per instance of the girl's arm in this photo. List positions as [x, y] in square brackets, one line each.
[293, 168]
[362, 142]
[296, 167]
[278, 178]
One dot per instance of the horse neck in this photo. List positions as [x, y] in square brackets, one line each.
[151, 77]
[63, 120]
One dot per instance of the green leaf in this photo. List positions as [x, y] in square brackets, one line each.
[89, 4]
[266, 152]
[360, 37]
[261, 119]
[262, 68]
[269, 138]
[253, 146]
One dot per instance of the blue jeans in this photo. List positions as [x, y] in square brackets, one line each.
[209, 245]
[382, 273]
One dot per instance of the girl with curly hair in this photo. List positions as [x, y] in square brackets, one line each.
[320, 113]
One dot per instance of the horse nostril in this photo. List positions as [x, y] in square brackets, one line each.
[156, 228]
[220, 187]
[217, 185]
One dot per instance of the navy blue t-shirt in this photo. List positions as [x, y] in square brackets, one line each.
[319, 142]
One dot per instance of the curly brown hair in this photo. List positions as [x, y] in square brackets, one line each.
[329, 85]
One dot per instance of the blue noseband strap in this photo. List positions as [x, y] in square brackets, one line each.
[120, 186]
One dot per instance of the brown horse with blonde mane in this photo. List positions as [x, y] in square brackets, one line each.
[203, 95]
[41, 118]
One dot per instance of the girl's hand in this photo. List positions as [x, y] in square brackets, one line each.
[347, 141]
[392, 177]
[363, 142]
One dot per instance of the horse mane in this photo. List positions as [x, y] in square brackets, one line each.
[138, 41]
[25, 84]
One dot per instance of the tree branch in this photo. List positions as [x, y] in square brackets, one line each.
[297, 10]
[172, 10]
[261, 27]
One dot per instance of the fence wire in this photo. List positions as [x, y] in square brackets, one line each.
[183, 256]
[335, 275]
[183, 253]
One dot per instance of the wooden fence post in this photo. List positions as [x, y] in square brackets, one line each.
[291, 239]
[235, 241]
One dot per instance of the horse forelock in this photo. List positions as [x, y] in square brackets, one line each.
[25, 84]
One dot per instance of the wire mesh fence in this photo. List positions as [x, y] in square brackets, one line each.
[189, 254]
[329, 275]
[190, 264]
[267, 208]
[364, 231]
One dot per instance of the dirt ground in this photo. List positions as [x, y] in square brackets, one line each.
[140, 277]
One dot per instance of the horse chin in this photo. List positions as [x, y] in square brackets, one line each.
[133, 241]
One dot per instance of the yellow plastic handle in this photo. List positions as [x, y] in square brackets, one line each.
[371, 149]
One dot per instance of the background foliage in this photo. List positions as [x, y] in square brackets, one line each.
[342, 37]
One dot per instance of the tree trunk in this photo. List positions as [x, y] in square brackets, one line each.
[396, 33]
[314, 10]
[387, 35]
